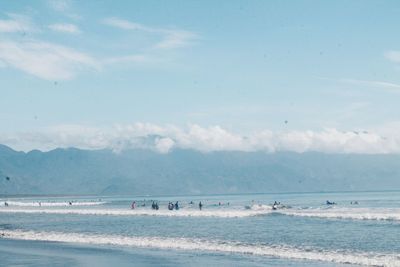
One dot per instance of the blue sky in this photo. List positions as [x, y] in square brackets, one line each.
[70, 68]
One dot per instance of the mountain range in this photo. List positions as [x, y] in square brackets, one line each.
[147, 172]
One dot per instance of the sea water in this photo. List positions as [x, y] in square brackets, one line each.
[230, 230]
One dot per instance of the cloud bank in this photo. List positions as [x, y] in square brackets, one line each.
[206, 139]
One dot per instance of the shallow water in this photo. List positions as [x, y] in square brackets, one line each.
[243, 230]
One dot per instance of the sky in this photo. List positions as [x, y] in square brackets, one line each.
[208, 75]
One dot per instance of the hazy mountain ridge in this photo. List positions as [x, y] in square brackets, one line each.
[75, 171]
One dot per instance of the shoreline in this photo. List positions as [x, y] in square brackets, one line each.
[15, 252]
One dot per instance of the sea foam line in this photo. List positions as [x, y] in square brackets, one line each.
[348, 213]
[360, 258]
[51, 204]
[143, 212]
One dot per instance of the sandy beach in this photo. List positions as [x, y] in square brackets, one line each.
[37, 253]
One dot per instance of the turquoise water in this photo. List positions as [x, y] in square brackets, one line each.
[243, 231]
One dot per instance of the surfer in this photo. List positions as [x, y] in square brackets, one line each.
[330, 203]
[133, 205]
[176, 206]
[200, 205]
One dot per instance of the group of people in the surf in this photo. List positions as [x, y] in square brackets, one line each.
[38, 203]
[171, 205]
[329, 203]
[278, 205]
[154, 205]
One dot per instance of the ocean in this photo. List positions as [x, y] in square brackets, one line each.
[361, 229]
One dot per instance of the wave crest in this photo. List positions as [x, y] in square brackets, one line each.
[348, 213]
[51, 204]
[344, 257]
[232, 213]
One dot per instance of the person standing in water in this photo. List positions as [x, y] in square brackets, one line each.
[133, 205]
[176, 206]
[200, 205]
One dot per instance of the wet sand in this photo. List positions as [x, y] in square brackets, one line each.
[38, 253]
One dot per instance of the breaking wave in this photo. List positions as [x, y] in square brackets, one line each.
[288, 252]
[223, 213]
[51, 204]
[347, 213]
[387, 214]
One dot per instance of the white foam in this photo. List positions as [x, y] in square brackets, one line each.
[348, 213]
[358, 258]
[223, 213]
[261, 207]
[51, 204]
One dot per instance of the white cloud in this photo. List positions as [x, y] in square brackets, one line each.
[165, 138]
[175, 38]
[64, 7]
[65, 27]
[128, 58]
[59, 5]
[164, 145]
[393, 56]
[52, 61]
[171, 38]
[45, 60]
[11, 26]
[17, 23]
[369, 83]
[125, 25]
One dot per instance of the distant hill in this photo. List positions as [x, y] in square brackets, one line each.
[75, 171]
